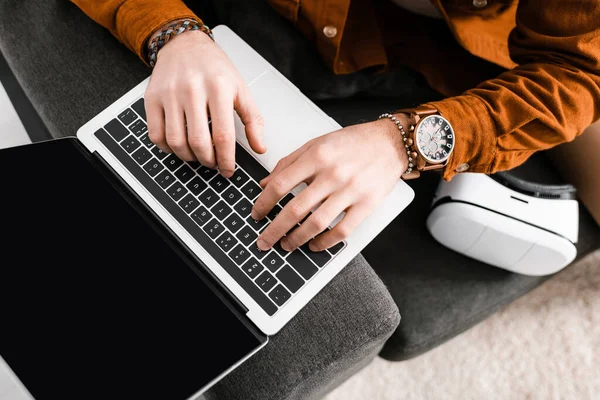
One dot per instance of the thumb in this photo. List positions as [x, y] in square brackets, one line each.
[252, 120]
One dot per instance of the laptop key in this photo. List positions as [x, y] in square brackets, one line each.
[159, 153]
[138, 128]
[226, 241]
[142, 155]
[116, 130]
[153, 167]
[239, 178]
[209, 198]
[256, 225]
[274, 212]
[239, 254]
[290, 278]
[172, 162]
[164, 179]
[247, 236]
[302, 264]
[258, 253]
[286, 199]
[280, 250]
[252, 268]
[201, 215]
[280, 295]
[177, 191]
[127, 117]
[219, 183]
[139, 108]
[207, 173]
[251, 166]
[221, 210]
[251, 190]
[265, 281]
[189, 203]
[213, 228]
[336, 248]
[243, 207]
[130, 144]
[196, 186]
[234, 223]
[147, 142]
[231, 195]
[273, 262]
[319, 257]
[184, 173]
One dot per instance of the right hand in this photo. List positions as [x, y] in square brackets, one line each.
[192, 79]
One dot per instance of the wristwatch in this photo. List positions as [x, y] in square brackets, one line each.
[430, 139]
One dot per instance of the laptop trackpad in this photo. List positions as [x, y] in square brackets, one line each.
[290, 120]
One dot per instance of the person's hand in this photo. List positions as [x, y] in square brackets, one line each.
[192, 80]
[349, 170]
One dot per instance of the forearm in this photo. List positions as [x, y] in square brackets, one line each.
[133, 22]
[549, 99]
[505, 120]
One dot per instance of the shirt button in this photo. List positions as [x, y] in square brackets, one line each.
[330, 31]
[480, 3]
[462, 167]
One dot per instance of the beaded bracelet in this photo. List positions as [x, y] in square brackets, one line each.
[170, 32]
[404, 138]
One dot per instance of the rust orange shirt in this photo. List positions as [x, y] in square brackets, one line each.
[521, 76]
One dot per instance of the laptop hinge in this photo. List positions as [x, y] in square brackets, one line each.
[168, 235]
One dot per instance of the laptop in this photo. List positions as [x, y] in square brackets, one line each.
[130, 273]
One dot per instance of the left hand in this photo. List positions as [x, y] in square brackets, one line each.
[349, 170]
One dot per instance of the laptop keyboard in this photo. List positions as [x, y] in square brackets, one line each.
[216, 211]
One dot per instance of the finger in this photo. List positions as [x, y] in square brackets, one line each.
[223, 131]
[284, 163]
[198, 133]
[156, 124]
[252, 120]
[354, 216]
[318, 221]
[175, 132]
[293, 213]
[279, 186]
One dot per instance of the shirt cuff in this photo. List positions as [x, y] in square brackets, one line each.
[474, 134]
[137, 20]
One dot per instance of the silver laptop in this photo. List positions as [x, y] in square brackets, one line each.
[209, 216]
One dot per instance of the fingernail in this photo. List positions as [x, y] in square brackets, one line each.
[262, 244]
[285, 245]
[313, 247]
[254, 215]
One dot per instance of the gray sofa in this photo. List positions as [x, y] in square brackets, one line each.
[60, 69]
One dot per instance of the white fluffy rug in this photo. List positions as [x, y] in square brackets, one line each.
[546, 345]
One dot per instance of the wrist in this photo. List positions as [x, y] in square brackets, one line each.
[171, 31]
[393, 135]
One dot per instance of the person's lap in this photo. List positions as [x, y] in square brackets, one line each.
[579, 162]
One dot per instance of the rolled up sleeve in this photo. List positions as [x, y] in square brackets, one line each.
[133, 21]
[549, 99]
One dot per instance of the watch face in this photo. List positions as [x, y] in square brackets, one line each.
[435, 138]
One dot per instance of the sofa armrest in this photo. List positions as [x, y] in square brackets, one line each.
[32, 122]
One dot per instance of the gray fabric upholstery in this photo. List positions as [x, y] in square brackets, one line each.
[71, 69]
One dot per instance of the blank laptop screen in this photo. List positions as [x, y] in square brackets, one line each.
[95, 304]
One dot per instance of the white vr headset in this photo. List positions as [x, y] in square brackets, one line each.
[506, 222]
